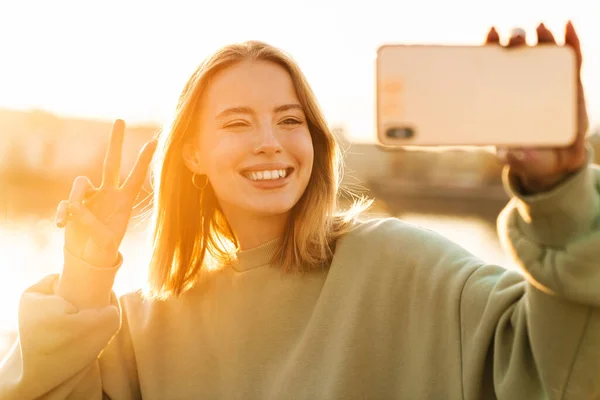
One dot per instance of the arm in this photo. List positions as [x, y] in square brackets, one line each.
[538, 337]
[63, 329]
[74, 340]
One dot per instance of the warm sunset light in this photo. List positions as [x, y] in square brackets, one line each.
[68, 68]
[129, 59]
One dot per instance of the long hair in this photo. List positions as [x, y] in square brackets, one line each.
[189, 231]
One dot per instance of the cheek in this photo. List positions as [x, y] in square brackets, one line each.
[222, 159]
[301, 148]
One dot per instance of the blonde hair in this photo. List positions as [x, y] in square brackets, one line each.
[189, 229]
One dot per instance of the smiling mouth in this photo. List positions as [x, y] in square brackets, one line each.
[268, 175]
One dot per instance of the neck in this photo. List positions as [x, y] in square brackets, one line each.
[254, 230]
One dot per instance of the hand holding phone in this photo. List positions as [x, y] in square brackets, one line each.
[437, 95]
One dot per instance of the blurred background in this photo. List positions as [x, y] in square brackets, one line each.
[68, 69]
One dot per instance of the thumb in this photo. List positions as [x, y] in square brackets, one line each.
[508, 155]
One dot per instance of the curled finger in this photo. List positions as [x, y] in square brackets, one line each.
[62, 213]
[81, 190]
[82, 215]
[513, 155]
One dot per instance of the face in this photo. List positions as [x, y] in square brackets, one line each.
[253, 141]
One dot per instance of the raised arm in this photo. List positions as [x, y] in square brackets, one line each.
[539, 338]
[66, 322]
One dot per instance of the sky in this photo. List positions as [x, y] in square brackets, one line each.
[130, 59]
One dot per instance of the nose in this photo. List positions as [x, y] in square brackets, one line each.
[267, 142]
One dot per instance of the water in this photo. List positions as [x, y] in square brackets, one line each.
[32, 249]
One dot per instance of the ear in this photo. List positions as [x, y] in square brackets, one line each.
[191, 157]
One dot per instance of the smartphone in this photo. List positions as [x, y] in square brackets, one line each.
[438, 95]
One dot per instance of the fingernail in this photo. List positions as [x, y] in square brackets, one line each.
[501, 154]
[517, 32]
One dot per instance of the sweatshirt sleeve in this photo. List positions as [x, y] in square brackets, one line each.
[537, 335]
[73, 340]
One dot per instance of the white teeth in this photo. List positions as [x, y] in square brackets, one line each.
[267, 175]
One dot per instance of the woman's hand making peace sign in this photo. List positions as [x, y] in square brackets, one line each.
[96, 218]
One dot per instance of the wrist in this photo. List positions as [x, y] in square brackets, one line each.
[101, 259]
[106, 257]
[85, 285]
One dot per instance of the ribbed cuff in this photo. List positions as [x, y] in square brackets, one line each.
[561, 215]
[84, 285]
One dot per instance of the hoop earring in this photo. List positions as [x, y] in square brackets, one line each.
[195, 185]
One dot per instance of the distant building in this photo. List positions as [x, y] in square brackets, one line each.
[54, 145]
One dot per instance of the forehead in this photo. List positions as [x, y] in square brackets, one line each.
[254, 84]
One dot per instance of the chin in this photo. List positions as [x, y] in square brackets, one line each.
[271, 208]
[272, 211]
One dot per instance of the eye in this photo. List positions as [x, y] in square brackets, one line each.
[291, 121]
[236, 124]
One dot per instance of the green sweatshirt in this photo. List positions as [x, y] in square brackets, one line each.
[401, 313]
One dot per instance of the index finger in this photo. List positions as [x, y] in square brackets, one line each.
[112, 160]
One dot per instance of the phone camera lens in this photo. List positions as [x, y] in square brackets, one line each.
[400, 133]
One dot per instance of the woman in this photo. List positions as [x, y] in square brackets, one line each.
[261, 289]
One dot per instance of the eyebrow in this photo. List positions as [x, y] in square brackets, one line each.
[248, 110]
